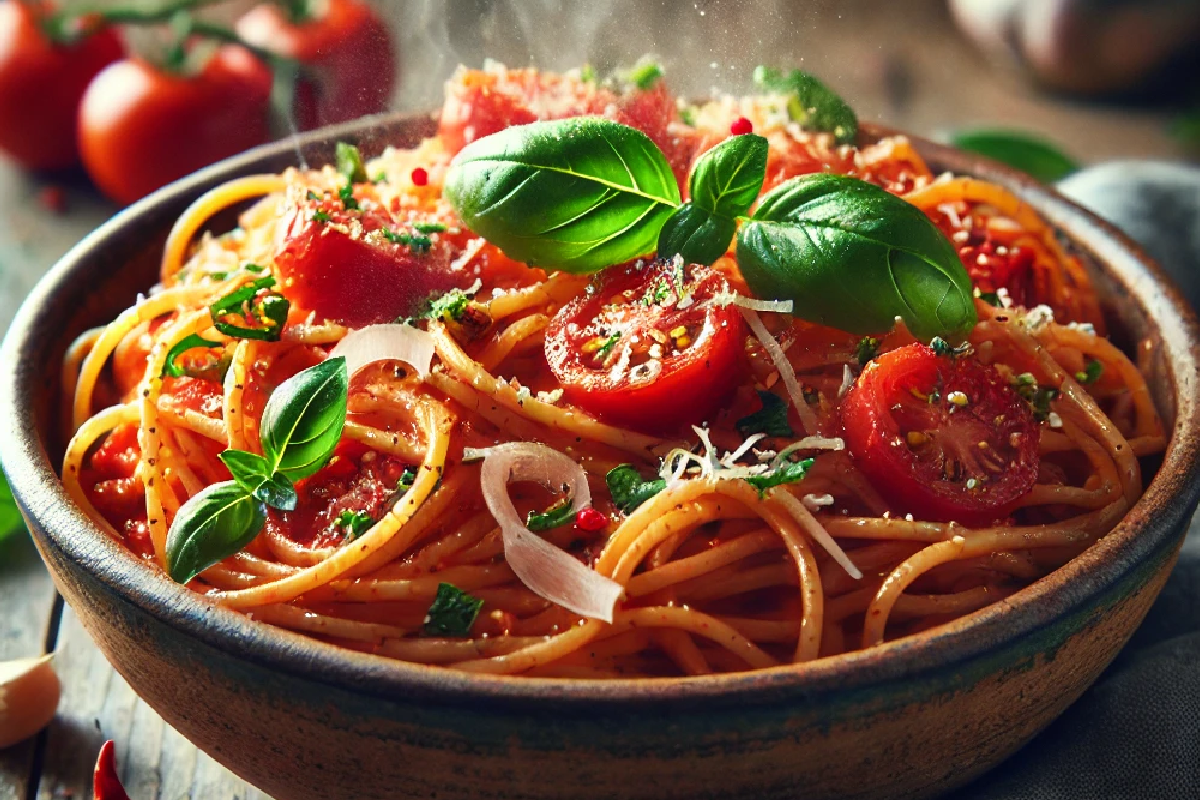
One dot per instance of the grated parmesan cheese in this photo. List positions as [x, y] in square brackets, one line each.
[779, 360]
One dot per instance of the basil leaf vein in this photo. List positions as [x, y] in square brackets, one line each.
[576, 194]
[211, 526]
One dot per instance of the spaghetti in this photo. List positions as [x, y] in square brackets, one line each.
[715, 571]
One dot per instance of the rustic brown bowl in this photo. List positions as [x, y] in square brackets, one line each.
[301, 719]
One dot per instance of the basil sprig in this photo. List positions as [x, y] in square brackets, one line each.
[574, 194]
[581, 194]
[725, 182]
[811, 103]
[301, 426]
[853, 256]
[171, 368]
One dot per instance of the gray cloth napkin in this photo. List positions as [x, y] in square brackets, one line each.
[1135, 734]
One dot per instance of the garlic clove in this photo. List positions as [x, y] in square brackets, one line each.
[29, 692]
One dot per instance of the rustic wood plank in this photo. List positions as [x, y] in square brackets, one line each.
[154, 760]
[26, 605]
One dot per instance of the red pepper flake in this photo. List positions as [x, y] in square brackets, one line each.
[589, 519]
[741, 126]
[105, 783]
[53, 199]
[419, 176]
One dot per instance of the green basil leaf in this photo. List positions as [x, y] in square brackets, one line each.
[191, 342]
[574, 194]
[790, 472]
[277, 492]
[247, 469]
[854, 257]
[554, 517]
[212, 525]
[452, 613]
[812, 104]
[627, 488]
[699, 236]
[771, 419]
[350, 162]
[270, 312]
[726, 179]
[303, 419]
[1029, 153]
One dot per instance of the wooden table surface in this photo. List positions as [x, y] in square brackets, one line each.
[899, 62]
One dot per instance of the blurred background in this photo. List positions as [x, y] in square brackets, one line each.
[1091, 81]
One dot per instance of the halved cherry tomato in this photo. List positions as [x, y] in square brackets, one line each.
[646, 346]
[41, 84]
[141, 127]
[342, 265]
[943, 438]
[349, 49]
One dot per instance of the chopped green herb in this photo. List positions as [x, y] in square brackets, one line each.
[406, 479]
[645, 74]
[429, 227]
[1038, 397]
[606, 347]
[627, 488]
[868, 348]
[395, 237]
[554, 517]
[380, 177]
[420, 244]
[942, 348]
[1091, 373]
[312, 195]
[790, 472]
[172, 369]
[687, 115]
[346, 193]
[350, 162]
[587, 74]
[991, 298]
[321, 216]
[452, 613]
[255, 268]
[354, 523]
[771, 419]
[265, 318]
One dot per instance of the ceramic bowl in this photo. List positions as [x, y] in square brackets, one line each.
[302, 719]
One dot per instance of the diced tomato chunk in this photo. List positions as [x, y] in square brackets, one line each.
[347, 271]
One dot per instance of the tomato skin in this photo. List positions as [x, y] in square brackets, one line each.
[691, 384]
[41, 85]
[881, 410]
[356, 280]
[351, 49]
[141, 128]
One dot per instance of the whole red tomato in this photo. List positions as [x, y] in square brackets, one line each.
[347, 48]
[141, 127]
[41, 83]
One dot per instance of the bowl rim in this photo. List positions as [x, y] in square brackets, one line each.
[1146, 528]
